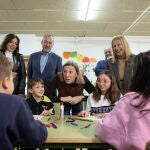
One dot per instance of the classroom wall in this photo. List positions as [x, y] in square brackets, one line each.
[87, 46]
[91, 47]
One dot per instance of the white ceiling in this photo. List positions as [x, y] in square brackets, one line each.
[61, 18]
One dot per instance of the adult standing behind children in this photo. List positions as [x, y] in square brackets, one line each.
[17, 124]
[101, 65]
[127, 125]
[70, 84]
[121, 64]
[10, 48]
[44, 64]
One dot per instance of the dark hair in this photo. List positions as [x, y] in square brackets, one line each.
[113, 94]
[33, 81]
[8, 38]
[140, 81]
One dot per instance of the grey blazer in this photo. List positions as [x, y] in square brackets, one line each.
[113, 67]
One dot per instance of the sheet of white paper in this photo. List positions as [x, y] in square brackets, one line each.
[37, 117]
[95, 118]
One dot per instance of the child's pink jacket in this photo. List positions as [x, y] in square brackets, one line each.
[127, 127]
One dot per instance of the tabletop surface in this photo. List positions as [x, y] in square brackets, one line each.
[71, 132]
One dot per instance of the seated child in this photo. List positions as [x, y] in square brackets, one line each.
[39, 104]
[127, 125]
[104, 97]
[16, 117]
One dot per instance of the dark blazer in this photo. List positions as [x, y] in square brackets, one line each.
[53, 66]
[113, 67]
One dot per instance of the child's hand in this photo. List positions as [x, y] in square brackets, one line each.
[46, 124]
[76, 99]
[84, 113]
[102, 115]
[45, 113]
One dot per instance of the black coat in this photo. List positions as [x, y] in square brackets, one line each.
[20, 79]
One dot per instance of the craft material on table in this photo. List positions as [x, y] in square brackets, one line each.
[49, 119]
[85, 126]
[74, 124]
[69, 119]
[83, 119]
[53, 125]
[94, 118]
[74, 121]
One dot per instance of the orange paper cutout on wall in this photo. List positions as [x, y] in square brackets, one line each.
[78, 57]
[66, 55]
[93, 60]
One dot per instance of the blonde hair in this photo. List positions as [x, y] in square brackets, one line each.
[79, 79]
[6, 66]
[125, 44]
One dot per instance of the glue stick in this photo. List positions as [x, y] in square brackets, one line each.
[62, 110]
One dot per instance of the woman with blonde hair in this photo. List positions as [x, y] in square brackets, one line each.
[70, 84]
[121, 64]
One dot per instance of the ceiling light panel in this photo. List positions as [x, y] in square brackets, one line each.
[88, 9]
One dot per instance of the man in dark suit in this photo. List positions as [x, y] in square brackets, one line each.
[101, 65]
[44, 64]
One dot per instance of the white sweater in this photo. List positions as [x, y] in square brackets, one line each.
[92, 103]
